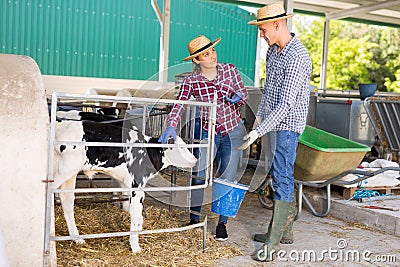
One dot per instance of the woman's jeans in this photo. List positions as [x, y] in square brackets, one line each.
[225, 149]
[282, 169]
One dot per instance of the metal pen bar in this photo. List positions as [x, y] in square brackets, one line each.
[387, 126]
[396, 123]
[145, 189]
[380, 109]
[369, 105]
[385, 120]
[128, 100]
[117, 234]
[103, 144]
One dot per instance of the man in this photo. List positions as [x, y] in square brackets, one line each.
[282, 113]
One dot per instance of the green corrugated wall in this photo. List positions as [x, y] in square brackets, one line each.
[119, 38]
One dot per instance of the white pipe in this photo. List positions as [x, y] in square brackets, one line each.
[164, 44]
[157, 11]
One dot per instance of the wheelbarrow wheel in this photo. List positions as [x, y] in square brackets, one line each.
[265, 194]
[266, 201]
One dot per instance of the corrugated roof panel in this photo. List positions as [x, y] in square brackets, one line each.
[238, 39]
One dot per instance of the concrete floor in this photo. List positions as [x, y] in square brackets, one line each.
[312, 235]
[349, 236]
[371, 233]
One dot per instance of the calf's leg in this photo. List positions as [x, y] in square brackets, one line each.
[136, 208]
[67, 203]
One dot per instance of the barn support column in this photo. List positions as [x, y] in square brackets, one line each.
[289, 10]
[164, 20]
[24, 124]
[324, 63]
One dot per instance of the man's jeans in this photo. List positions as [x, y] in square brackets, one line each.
[282, 169]
[225, 149]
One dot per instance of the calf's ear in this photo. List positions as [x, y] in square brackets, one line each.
[171, 141]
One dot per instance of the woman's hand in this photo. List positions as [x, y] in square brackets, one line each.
[235, 98]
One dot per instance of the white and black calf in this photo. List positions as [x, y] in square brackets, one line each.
[132, 167]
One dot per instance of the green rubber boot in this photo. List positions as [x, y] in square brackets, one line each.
[263, 237]
[287, 237]
[274, 236]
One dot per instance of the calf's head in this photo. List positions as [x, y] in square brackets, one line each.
[179, 155]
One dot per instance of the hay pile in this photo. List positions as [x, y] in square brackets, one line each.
[165, 249]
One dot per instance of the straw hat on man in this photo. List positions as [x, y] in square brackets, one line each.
[270, 13]
[272, 23]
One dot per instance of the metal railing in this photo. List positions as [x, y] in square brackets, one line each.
[145, 103]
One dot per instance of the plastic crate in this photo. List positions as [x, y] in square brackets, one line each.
[322, 155]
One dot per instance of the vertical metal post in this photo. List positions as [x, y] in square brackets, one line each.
[212, 120]
[289, 10]
[300, 200]
[204, 234]
[324, 62]
[145, 114]
[192, 111]
[172, 194]
[164, 43]
[49, 194]
[164, 20]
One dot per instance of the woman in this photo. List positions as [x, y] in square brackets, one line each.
[210, 77]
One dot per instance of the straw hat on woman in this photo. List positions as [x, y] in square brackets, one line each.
[199, 45]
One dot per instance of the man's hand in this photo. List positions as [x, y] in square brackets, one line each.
[169, 132]
[235, 98]
[248, 139]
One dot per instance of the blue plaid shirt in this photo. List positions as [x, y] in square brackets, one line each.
[284, 104]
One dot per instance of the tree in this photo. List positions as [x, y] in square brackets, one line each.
[357, 53]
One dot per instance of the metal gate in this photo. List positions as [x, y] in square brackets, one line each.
[146, 105]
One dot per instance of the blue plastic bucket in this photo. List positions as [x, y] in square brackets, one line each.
[366, 90]
[227, 197]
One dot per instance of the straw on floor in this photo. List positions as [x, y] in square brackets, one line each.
[165, 249]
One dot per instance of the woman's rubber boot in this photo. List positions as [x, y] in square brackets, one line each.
[271, 246]
[287, 237]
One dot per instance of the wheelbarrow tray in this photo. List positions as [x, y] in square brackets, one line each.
[322, 155]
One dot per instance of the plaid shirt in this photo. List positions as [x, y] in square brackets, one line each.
[226, 83]
[284, 104]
